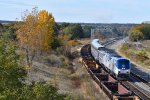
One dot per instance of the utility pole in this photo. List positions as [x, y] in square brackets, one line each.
[111, 32]
[91, 34]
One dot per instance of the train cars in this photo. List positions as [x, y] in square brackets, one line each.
[116, 65]
[95, 46]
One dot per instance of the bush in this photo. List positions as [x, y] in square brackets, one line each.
[59, 50]
[73, 42]
[53, 60]
[125, 47]
[147, 63]
[41, 91]
[64, 61]
[76, 82]
[142, 55]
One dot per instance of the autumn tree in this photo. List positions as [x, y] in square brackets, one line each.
[35, 34]
[136, 35]
[139, 32]
[45, 29]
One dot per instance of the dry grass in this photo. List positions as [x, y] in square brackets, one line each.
[78, 85]
[140, 56]
[72, 78]
[147, 43]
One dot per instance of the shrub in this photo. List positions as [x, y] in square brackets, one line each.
[147, 63]
[142, 55]
[125, 46]
[64, 61]
[73, 42]
[41, 91]
[53, 60]
[76, 82]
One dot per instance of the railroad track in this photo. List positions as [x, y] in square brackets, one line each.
[141, 85]
[137, 91]
[85, 52]
[111, 41]
[103, 79]
[140, 78]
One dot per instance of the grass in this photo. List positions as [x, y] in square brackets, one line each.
[79, 84]
[138, 55]
[70, 78]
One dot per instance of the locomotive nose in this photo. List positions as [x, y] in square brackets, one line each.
[123, 67]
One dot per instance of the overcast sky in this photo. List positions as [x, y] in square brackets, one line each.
[87, 11]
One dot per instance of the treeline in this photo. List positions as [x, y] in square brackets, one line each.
[140, 32]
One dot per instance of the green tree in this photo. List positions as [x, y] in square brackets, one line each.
[87, 31]
[12, 77]
[74, 31]
[11, 73]
[145, 29]
[41, 91]
[1, 28]
[64, 25]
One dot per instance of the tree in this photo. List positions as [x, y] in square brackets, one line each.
[87, 31]
[12, 77]
[41, 91]
[115, 30]
[45, 29]
[136, 35]
[74, 31]
[11, 73]
[1, 27]
[35, 34]
[64, 25]
[140, 32]
[145, 29]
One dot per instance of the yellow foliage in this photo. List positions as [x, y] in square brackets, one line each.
[73, 42]
[36, 31]
[63, 39]
[45, 24]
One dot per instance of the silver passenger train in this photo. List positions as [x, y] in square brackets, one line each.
[116, 65]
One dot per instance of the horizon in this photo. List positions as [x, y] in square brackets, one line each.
[75, 22]
[85, 11]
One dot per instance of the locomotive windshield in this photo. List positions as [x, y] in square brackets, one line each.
[123, 64]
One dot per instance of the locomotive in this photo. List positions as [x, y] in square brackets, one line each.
[116, 65]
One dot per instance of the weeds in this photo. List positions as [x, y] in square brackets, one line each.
[76, 82]
[139, 56]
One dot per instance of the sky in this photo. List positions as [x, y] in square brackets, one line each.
[84, 11]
